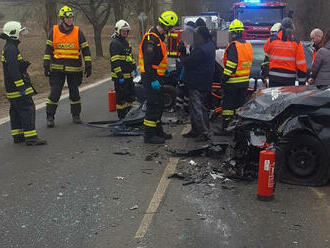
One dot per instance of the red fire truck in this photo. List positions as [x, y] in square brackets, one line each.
[258, 16]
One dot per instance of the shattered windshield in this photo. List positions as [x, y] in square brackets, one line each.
[260, 16]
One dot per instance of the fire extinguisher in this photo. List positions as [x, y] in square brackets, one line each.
[266, 175]
[112, 100]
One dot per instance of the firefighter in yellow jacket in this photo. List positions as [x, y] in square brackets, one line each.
[237, 62]
[63, 61]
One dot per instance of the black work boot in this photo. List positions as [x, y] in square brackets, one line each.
[76, 119]
[154, 140]
[190, 134]
[50, 122]
[150, 136]
[160, 132]
[223, 131]
[35, 141]
[19, 139]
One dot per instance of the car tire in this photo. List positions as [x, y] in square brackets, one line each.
[169, 96]
[302, 160]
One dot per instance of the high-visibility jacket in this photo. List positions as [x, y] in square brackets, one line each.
[121, 58]
[239, 71]
[66, 46]
[64, 49]
[287, 58]
[16, 79]
[162, 66]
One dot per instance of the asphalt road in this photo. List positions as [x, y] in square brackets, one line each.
[75, 192]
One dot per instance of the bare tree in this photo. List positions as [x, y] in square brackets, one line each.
[51, 15]
[97, 12]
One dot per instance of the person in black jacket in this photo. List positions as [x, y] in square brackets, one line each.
[199, 70]
[18, 86]
[63, 61]
[123, 68]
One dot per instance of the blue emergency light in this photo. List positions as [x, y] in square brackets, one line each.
[252, 1]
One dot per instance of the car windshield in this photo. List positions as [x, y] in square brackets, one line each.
[258, 58]
[260, 16]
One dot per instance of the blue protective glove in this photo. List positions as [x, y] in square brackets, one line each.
[136, 73]
[121, 80]
[22, 92]
[167, 73]
[155, 85]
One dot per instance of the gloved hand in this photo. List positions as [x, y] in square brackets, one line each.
[121, 80]
[136, 73]
[22, 92]
[88, 71]
[47, 71]
[167, 74]
[155, 85]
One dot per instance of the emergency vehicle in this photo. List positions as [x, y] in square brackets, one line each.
[258, 16]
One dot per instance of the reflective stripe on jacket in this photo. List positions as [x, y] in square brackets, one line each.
[243, 65]
[162, 67]
[288, 55]
[66, 46]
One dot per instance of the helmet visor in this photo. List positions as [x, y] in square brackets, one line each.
[23, 31]
[68, 14]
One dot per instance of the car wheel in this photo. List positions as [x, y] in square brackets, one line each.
[303, 161]
[169, 96]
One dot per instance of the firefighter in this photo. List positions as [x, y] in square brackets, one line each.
[286, 56]
[63, 61]
[19, 90]
[237, 63]
[265, 65]
[316, 37]
[123, 68]
[153, 67]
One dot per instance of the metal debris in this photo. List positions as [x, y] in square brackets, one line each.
[134, 207]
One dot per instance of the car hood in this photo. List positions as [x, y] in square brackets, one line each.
[268, 104]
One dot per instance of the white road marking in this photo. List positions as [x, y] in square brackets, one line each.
[158, 195]
[64, 96]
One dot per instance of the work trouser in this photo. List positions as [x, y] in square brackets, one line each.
[281, 81]
[125, 96]
[182, 99]
[198, 103]
[155, 106]
[22, 114]
[234, 96]
[56, 82]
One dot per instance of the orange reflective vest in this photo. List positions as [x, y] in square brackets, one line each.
[288, 55]
[244, 62]
[66, 46]
[162, 67]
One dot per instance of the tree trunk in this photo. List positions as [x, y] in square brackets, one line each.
[117, 10]
[98, 42]
[51, 15]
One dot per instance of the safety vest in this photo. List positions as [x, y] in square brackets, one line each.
[288, 55]
[244, 62]
[162, 67]
[66, 46]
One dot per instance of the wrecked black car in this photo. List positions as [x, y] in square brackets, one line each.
[295, 121]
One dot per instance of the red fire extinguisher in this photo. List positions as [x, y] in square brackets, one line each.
[112, 100]
[266, 175]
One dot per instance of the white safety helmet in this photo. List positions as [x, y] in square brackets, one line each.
[275, 28]
[121, 25]
[13, 29]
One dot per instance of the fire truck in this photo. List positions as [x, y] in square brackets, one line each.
[259, 16]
